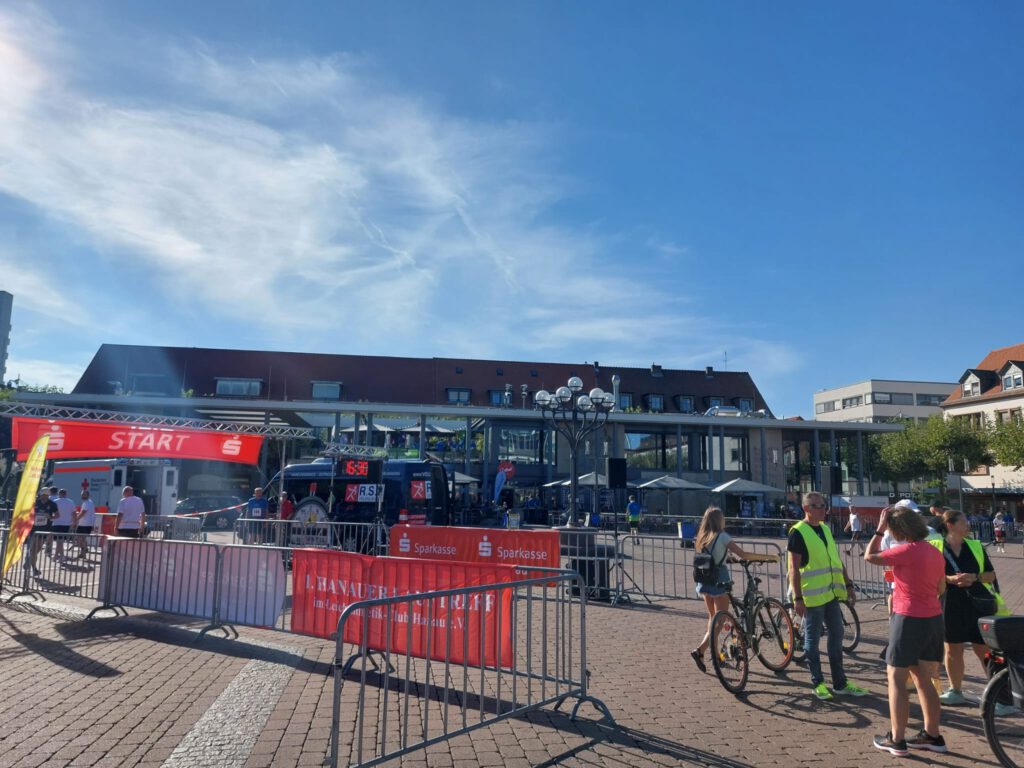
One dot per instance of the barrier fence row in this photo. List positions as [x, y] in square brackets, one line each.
[530, 636]
[366, 538]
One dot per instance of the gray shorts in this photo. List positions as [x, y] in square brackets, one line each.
[912, 640]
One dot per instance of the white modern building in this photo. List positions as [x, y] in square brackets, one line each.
[875, 401]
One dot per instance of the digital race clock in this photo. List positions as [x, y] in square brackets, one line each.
[355, 468]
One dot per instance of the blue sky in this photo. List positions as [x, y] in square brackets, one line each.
[821, 192]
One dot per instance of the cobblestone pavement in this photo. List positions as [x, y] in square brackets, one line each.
[144, 691]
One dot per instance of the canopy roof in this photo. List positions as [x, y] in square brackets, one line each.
[739, 485]
[669, 482]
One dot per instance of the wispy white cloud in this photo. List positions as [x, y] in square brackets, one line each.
[45, 373]
[293, 198]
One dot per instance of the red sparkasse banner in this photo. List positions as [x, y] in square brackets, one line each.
[91, 440]
[326, 581]
[477, 545]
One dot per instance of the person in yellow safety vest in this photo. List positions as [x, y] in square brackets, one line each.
[967, 564]
[818, 582]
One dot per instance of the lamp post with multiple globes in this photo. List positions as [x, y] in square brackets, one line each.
[574, 414]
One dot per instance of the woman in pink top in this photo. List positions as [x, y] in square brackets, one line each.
[916, 628]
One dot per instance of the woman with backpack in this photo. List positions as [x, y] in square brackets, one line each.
[712, 539]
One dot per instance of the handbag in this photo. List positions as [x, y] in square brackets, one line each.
[984, 599]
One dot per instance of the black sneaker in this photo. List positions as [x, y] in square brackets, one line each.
[924, 741]
[886, 744]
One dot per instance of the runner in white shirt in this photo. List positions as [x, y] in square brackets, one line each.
[85, 519]
[62, 522]
[131, 514]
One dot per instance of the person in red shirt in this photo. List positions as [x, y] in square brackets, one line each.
[916, 629]
[286, 507]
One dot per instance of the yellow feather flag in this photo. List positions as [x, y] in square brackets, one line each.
[24, 507]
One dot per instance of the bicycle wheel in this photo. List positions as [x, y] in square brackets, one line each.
[1004, 729]
[773, 634]
[851, 626]
[729, 651]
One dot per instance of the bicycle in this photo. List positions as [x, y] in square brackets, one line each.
[757, 622]
[851, 629]
[1001, 715]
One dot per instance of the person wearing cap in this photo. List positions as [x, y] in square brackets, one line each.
[818, 582]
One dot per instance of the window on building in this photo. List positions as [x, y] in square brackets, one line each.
[458, 395]
[930, 399]
[521, 445]
[152, 384]
[496, 396]
[625, 400]
[853, 402]
[239, 387]
[882, 398]
[326, 390]
[1012, 381]
[1018, 380]
[714, 402]
[827, 407]
[649, 450]
[684, 403]
[745, 404]
[902, 398]
[655, 403]
[971, 388]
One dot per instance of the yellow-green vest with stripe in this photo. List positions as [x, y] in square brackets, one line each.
[821, 577]
[978, 550]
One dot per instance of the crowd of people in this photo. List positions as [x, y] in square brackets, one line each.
[942, 582]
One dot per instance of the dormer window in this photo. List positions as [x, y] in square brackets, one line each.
[972, 388]
[684, 403]
[656, 403]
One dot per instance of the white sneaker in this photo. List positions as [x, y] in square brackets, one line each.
[952, 696]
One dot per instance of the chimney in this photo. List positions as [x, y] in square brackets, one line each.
[709, 372]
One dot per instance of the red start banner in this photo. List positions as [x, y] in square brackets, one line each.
[93, 440]
[477, 545]
[480, 623]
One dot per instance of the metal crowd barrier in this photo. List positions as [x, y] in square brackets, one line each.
[58, 563]
[449, 687]
[365, 538]
[868, 578]
[736, 527]
[177, 527]
[662, 567]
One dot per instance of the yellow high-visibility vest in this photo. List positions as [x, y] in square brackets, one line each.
[821, 577]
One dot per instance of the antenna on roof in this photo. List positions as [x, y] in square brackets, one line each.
[725, 359]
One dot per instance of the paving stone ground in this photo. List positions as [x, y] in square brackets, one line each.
[143, 690]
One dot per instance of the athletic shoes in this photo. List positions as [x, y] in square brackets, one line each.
[952, 696]
[822, 692]
[698, 659]
[886, 744]
[1006, 710]
[924, 741]
[850, 690]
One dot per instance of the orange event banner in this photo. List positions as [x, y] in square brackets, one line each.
[499, 546]
[90, 440]
[327, 581]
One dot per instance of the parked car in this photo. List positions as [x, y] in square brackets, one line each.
[228, 510]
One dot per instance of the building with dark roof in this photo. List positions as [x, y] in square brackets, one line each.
[706, 426]
[988, 393]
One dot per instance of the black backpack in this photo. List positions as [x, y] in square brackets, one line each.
[705, 569]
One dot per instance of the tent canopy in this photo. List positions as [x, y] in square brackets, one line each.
[667, 482]
[460, 479]
[739, 485]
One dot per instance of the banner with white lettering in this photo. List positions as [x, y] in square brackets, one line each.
[475, 628]
[90, 440]
[539, 548]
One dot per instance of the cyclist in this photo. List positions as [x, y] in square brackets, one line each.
[818, 581]
[711, 537]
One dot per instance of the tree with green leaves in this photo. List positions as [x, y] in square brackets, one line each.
[924, 450]
[1006, 439]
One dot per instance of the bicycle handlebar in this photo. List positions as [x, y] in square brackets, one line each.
[753, 558]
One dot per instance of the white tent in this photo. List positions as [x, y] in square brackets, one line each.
[739, 485]
[460, 479]
[667, 482]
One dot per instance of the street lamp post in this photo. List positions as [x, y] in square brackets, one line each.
[993, 497]
[574, 414]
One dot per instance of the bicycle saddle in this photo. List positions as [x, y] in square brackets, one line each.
[1003, 633]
